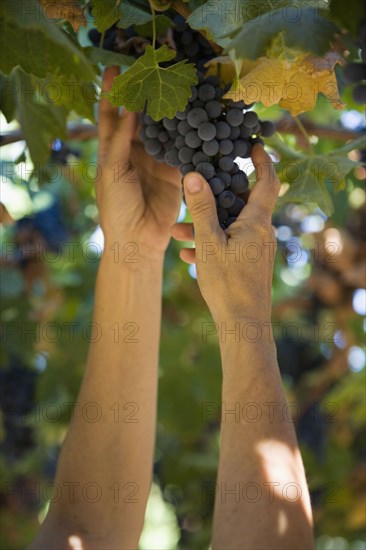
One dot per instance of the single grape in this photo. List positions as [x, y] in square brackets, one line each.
[152, 131]
[217, 185]
[222, 130]
[200, 156]
[234, 117]
[184, 127]
[182, 115]
[206, 169]
[170, 123]
[267, 128]
[163, 137]
[226, 199]
[180, 142]
[185, 155]
[171, 157]
[226, 147]
[196, 117]
[239, 182]
[198, 104]
[211, 148]
[225, 177]
[207, 131]
[213, 109]
[193, 140]
[257, 128]
[245, 132]
[250, 119]
[206, 92]
[226, 163]
[234, 133]
[152, 146]
[240, 148]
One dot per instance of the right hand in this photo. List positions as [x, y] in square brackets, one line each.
[235, 266]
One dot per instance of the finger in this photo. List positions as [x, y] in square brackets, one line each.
[108, 115]
[201, 205]
[120, 146]
[182, 232]
[265, 191]
[188, 255]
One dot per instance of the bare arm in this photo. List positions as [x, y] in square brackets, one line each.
[262, 499]
[105, 468]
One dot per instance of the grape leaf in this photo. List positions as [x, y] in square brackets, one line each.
[292, 83]
[107, 58]
[41, 122]
[166, 90]
[106, 13]
[308, 178]
[75, 96]
[40, 47]
[220, 18]
[162, 22]
[67, 9]
[133, 15]
[303, 29]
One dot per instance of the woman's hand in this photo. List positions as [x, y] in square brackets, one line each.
[234, 267]
[138, 198]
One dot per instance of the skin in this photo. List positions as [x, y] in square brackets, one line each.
[138, 200]
[261, 497]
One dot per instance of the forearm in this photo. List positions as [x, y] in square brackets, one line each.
[114, 453]
[262, 499]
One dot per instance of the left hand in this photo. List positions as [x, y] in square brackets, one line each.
[138, 198]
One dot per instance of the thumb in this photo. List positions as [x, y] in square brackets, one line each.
[201, 204]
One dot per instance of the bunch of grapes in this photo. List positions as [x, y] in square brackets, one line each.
[355, 71]
[207, 137]
[191, 44]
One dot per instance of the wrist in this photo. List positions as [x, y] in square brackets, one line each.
[132, 254]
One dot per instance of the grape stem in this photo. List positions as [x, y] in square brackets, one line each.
[153, 25]
[183, 10]
[101, 42]
[304, 134]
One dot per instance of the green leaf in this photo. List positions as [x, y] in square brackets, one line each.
[133, 15]
[303, 29]
[106, 13]
[309, 177]
[38, 46]
[165, 89]
[220, 18]
[75, 96]
[162, 22]
[41, 122]
[107, 58]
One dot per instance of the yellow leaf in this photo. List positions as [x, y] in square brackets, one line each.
[225, 67]
[292, 82]
[67, 9]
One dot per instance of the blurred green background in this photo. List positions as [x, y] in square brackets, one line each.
[319, 311]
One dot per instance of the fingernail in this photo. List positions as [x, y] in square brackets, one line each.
[193, 183]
